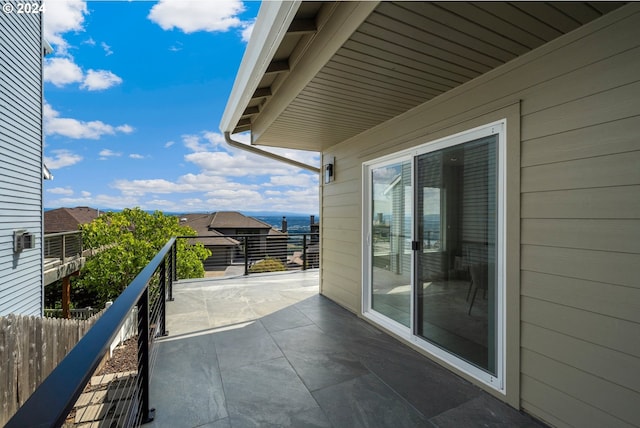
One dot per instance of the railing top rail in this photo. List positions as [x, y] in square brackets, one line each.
[252, 235]
[54, 234]
[52, 401]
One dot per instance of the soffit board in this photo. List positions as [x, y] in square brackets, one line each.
[402, 55]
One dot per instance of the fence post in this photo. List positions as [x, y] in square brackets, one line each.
[246, 255]
[163, 297]
[173, 272]
[64, 248]
[304, 252]
[143, 357]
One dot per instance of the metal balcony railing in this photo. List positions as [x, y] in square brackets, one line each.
[54, 399]
[256, 253]
[62, 247]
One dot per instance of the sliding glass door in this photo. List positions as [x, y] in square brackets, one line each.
[456, 262]
[433, 263]
[391, 270]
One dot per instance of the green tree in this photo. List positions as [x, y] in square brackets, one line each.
[125, 242]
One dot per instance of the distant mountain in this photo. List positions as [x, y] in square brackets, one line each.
[247, 213]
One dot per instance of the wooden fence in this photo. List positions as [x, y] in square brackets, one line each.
[30, 348]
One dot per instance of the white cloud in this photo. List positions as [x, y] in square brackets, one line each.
[192, 142]
[195, 15]
[136, 156]
[228, 178]
[99, 80]
[61, 71]
[85, 194]
[61, 159]
[100, 201]
[73, 128]
[107, 49]
[60, 17]
[61, 191]
[169, 144]
[247, 30]
[106, 153]
[125, 129]
[294, 180]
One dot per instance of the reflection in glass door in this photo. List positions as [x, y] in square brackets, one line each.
[456, 283]
[391, 214]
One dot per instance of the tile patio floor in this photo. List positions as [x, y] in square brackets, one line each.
[269, 351]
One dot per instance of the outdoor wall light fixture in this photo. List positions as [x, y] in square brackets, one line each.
[328, 171]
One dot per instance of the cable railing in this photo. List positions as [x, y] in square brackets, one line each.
[63, 246]
[127, 394]
[257, 253]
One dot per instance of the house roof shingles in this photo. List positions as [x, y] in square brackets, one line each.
[235, 220]
[68, 219]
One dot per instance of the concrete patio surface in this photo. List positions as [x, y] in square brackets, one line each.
[269, 351]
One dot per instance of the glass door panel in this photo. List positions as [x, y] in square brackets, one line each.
[391, 254]
[456, 230]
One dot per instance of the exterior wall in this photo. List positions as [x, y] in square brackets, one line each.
[20, 161]
[573, 294]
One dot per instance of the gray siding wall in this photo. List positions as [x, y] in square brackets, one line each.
[577, 348]
[20, 161]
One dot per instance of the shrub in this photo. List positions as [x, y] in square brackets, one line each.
[268, 265]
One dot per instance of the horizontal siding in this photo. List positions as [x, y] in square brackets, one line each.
[618, 136]
[601, 266]
[588, 358]
[600, 330]
[598, 297]
[598, 392]
[618, 169]
[580, 211]
[588, 234]
[20, 161]
[595, 203]
[561, 409]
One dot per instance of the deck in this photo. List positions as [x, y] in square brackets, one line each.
[268, 350]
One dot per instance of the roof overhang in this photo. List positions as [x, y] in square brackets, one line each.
[317, 73]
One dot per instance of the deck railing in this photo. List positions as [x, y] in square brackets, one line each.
[63, 246]
[54, 399]
[256, 253]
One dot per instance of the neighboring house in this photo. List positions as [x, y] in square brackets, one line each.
[223, 249]
[68, 219]
[224, 230]
[513, 131]
[21, 168]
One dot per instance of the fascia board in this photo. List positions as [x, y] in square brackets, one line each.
[270, 28]
[346, 19]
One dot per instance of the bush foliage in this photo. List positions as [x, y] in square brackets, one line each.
[268, 265]
[126, 242]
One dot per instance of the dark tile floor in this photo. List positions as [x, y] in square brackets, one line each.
[305, 362]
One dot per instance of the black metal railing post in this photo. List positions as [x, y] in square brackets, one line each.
[143, 357]
[304, 252]
[246, 255]
[163, 298]
[173, 271]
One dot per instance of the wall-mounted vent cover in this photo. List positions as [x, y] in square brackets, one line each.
[23, 240]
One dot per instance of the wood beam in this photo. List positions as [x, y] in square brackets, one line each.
[242, 129]
[277, 67]
[262, 92]
[251, 111]
[244, 122]
[302, 26]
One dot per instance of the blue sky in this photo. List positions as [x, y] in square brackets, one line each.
[134, 93]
